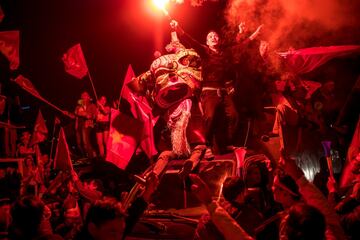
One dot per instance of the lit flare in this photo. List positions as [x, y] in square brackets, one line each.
[161, 4]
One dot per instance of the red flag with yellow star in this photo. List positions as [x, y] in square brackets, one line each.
[124, 137]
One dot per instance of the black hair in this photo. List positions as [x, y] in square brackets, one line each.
[102, 211]
[27, 215]
[257, 161]
[305, 222]
[232, 187]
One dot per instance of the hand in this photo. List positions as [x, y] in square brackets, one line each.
[242, 27]
[74, 176]
[152, 182]
[331, 185]
[289, 166]
[174, 24]
[230, 91]
[200, 189]
[256, 33]
[100, 105]
[70, 115]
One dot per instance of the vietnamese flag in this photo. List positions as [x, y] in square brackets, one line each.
[9, 46]
[62, 160]
[74, 62]
[124, 136]
[40, 132]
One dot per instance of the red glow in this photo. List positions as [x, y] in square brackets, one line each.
[199, 135]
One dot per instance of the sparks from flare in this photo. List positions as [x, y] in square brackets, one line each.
[161, 4]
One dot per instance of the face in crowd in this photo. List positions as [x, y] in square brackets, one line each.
[102, 100]
[212, 39]
[253, 176]
[85, 97]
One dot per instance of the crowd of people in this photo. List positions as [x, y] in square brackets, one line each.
[269, 199]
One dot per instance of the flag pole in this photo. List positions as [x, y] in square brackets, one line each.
[92, 85]
[47, 102]
[89, 75]
[52, 142]
[121, 92]
[51, 105]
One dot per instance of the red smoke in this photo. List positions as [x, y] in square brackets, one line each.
[299, 23]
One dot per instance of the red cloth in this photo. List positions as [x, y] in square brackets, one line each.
[62, 160]
[142, 111]
[124, 136]
[40, 132]
[74, 61]
[307, 59]
[9, 46]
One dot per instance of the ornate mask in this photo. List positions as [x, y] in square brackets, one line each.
[176, 77]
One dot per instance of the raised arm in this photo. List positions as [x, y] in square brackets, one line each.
[199, 48]
[241, 39]
[222, 220]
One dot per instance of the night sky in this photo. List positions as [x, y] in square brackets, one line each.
[115, 33]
